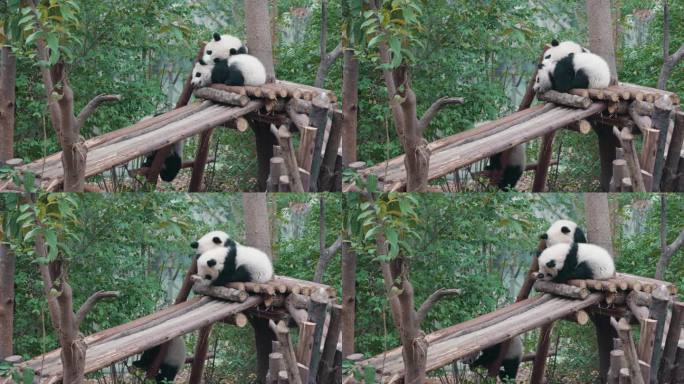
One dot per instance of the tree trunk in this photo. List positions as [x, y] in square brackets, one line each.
[8, 76]
[348, 298]
[598, 220]
[259, 34]
[257, 228]
[7, 269]
[350, 105]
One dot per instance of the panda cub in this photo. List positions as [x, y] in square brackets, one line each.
[221, 47]
[513, 171]
[566, 261]
[576, 70]
[562, 49]
[174, 360]
[172, 164]
[228, 261]
[510, 363]
[236, 70]
[563, 231]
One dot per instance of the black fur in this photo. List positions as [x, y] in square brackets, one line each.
[565, 77]
[171, 167]
[166, 372]
[571, 268]
[225, 74]
[508, 369]
[579, 236]
[511, 174]
[229, 273]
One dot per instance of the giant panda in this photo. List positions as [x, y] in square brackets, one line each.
[576, 70]
[562, 262]
[174, 360]
[239, 70]
[172, 164]
[234, 262]
[510, 363]
[562, 49]
[513, 171]
[563, 231]
[221, 47]
[208, 241]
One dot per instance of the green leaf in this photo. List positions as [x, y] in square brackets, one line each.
[28, 376]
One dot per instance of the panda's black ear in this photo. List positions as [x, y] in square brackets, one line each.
[217, 37]
[242, 50]
[551, 263]
[540, 66]
[216, 240]
[233, 51]
[565, 230]
[229, 243]
[194, 245]
[579, 236]
[555, 43]
[544, 236]
[202, 62]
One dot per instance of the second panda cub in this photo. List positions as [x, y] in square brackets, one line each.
[239, 70]
[566, 261]
[234, 262]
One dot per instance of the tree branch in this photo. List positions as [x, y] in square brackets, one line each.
[92, 106]
[675, 246]
[435, 108]
[324, 259]
[433, 299]
[666, 31]
[327, 61]
[92, 300]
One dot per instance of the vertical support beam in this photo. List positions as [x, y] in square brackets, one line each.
[661, 122]
[265, 141]
[605, 333]
[200, 355]
[607, 143]
[348, 296]
[667, 365]
[320, 108]
[669, 183]
[8, 75]
[263, 338]
[329, 165]
[350, 104]
[539, 366]
[327, 365]
[317, 310]
[200, 161]
[545, 153]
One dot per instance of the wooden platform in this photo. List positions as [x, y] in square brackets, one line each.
[118, 343]
[454, 152]
[461, 340]
[123, 145]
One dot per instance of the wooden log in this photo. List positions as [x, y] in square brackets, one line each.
[327, 365]
[283, 378]
[283, 335]
[619, 173]
[561, 289]
[239, 320]
[285, 141]
[222, 96]
[582, 126]
[565, 99]
[305, 345]
[539, 365]
[649, 147]
[640, 312]
[661, 122]
[577, 283]
[617, 362]
[545, 152]
[284, 184]
[645, 371]
[679, 365]
[670, 170]
[625, 333]
[658, 311]
[627, 140]
[275, 365]
[317, 312]
[625, 377]
[276, 170]
[307, 141]
[220, 292]
[667, 365]
[319, 119]
[646, 336]
[201, 349]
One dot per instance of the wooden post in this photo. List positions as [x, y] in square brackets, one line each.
[320, 106]
[658, 311]
[605, 333]
[275, 365]
[649, 148]
[329, 168]
[647, 334]
[670, 175]
[317, 311]
[607, 143]
[327, 365]
[667, 365]
[661, 122]
[679, 365]
[264, 148]
[263, 337]
[619, 172]
[285, 140]
[283, 335]
[545, 152]
[307, 141]
[274, 174]
[539, 366]
[625, 333]
[200, 161]
[617, 358]
[305, 345]
[627, 140]
[200, 355]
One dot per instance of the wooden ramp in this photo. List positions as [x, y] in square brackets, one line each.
[454, 152]
[123, 145]
[458, 341]
[115, 344]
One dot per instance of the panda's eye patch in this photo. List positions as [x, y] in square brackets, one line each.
[551, 263]
[209, 52]
[546, 57]
[544, 236]
[548, 274]
[208, 277]
[216, 240]
[194, 245]
[198, 74]
[211, 262]
[565, 230]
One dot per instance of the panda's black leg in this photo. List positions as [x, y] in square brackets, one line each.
[166, 373]
[510, 177]
[581, 80]
[510, 370]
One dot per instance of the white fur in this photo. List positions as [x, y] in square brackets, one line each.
[207, 242]
[175, 355]
[515, 348]
[252, 69]
[257, 263]
[543, 80]
[598, 259]
[518, 156]
[201, 74]
[563, 49]
[555, 233]
[595, 67]
[220, 50]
